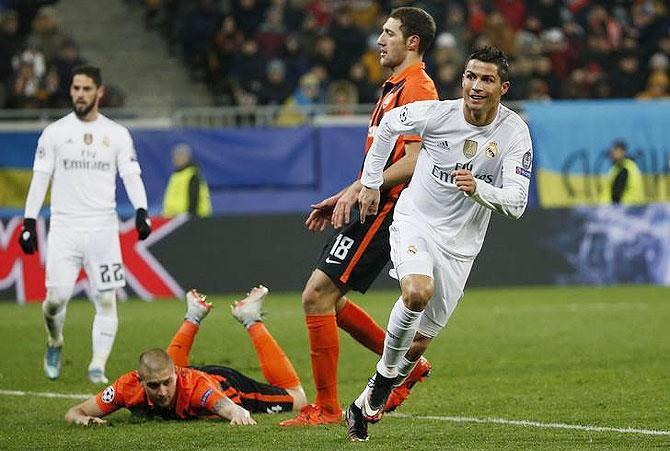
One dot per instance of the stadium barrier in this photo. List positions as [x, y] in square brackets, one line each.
[587, 245]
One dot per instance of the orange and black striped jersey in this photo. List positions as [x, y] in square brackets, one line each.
[196, 395]
[408, 86]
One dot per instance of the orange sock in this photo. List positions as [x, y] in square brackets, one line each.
[275, 365]
[324, 344]
[362, 328]
[180, 346]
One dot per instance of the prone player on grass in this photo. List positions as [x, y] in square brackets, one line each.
[164, 386]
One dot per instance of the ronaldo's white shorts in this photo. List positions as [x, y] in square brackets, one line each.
[97, 251]
[414, 251]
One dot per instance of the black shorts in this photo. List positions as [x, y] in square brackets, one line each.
[354, 255]
[256, 397]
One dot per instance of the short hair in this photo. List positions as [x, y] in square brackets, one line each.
[620, 144]
[416, 21]
[492, 55]
[153, 361]
[93, 72]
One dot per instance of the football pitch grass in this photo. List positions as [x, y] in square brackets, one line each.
[566, 360]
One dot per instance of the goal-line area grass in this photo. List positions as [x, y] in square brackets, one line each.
[516, 368]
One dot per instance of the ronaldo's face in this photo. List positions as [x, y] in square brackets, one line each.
[482, 86]
[161, 387]
[84, 94]
[392, 44]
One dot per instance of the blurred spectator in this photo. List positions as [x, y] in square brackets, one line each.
[367, 92]
[625, 79]
[624, 183]
[658, 86]
[271, 35]
[68, 58]
[46, 34]
[342, 96]
[298, 106]
[448, 81]
[187, 190]
[275, 89]
[198, 26]
[9, 44]
[25, 87]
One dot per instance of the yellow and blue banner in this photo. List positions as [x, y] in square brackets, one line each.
[572, 141]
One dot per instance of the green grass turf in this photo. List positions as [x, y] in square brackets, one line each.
[584, 356]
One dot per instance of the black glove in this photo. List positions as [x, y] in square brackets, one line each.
[28, 236]
[142, 224]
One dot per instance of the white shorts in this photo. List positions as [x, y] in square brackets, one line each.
[97, 251]
[414, 252]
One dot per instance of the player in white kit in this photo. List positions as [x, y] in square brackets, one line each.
[476, 157]
[81, 154]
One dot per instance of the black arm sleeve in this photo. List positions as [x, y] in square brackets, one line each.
[193, 194]
[619, 185]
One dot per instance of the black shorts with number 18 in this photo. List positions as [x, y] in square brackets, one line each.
[355, 254]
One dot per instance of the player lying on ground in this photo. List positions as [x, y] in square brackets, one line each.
[164, 386]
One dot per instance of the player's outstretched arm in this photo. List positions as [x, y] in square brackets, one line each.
[321, 213]
[87, 413]
[402, 170]
[227, 409]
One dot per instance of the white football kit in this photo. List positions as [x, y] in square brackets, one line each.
[437, 230]
[83, 159]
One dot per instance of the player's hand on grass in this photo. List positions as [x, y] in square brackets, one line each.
[368, 202]
[28, 236]
[342, 211]
[142, 224]
[465, 181]
[321, 213]
[89, 421]
[241, 416]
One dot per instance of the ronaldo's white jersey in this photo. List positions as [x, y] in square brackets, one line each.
[83, 159]
[499, 155]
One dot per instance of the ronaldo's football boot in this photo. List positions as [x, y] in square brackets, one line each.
[357, 427]
[249, 310]
[313, 415]
[197, 306]
[52, 362]
[378, 390]
[400, 393]
[97, 376]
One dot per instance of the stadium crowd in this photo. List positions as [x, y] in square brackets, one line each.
[303, 52]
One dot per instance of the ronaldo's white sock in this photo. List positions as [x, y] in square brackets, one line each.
[405, 367]
[105, 325]
[403, 324]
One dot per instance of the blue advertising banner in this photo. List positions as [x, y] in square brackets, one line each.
[572, 141]
[251, 170]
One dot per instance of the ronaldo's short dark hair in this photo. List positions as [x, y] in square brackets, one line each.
[93, 72]
[492, 55]
[416, 21]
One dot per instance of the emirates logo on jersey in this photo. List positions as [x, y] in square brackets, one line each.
[88, 139]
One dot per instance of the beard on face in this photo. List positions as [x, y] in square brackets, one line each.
[82, 111]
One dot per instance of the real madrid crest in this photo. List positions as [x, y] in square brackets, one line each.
[105, 141]
[411, 249]
[88, 139]
[491, 150]
[469, 148]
